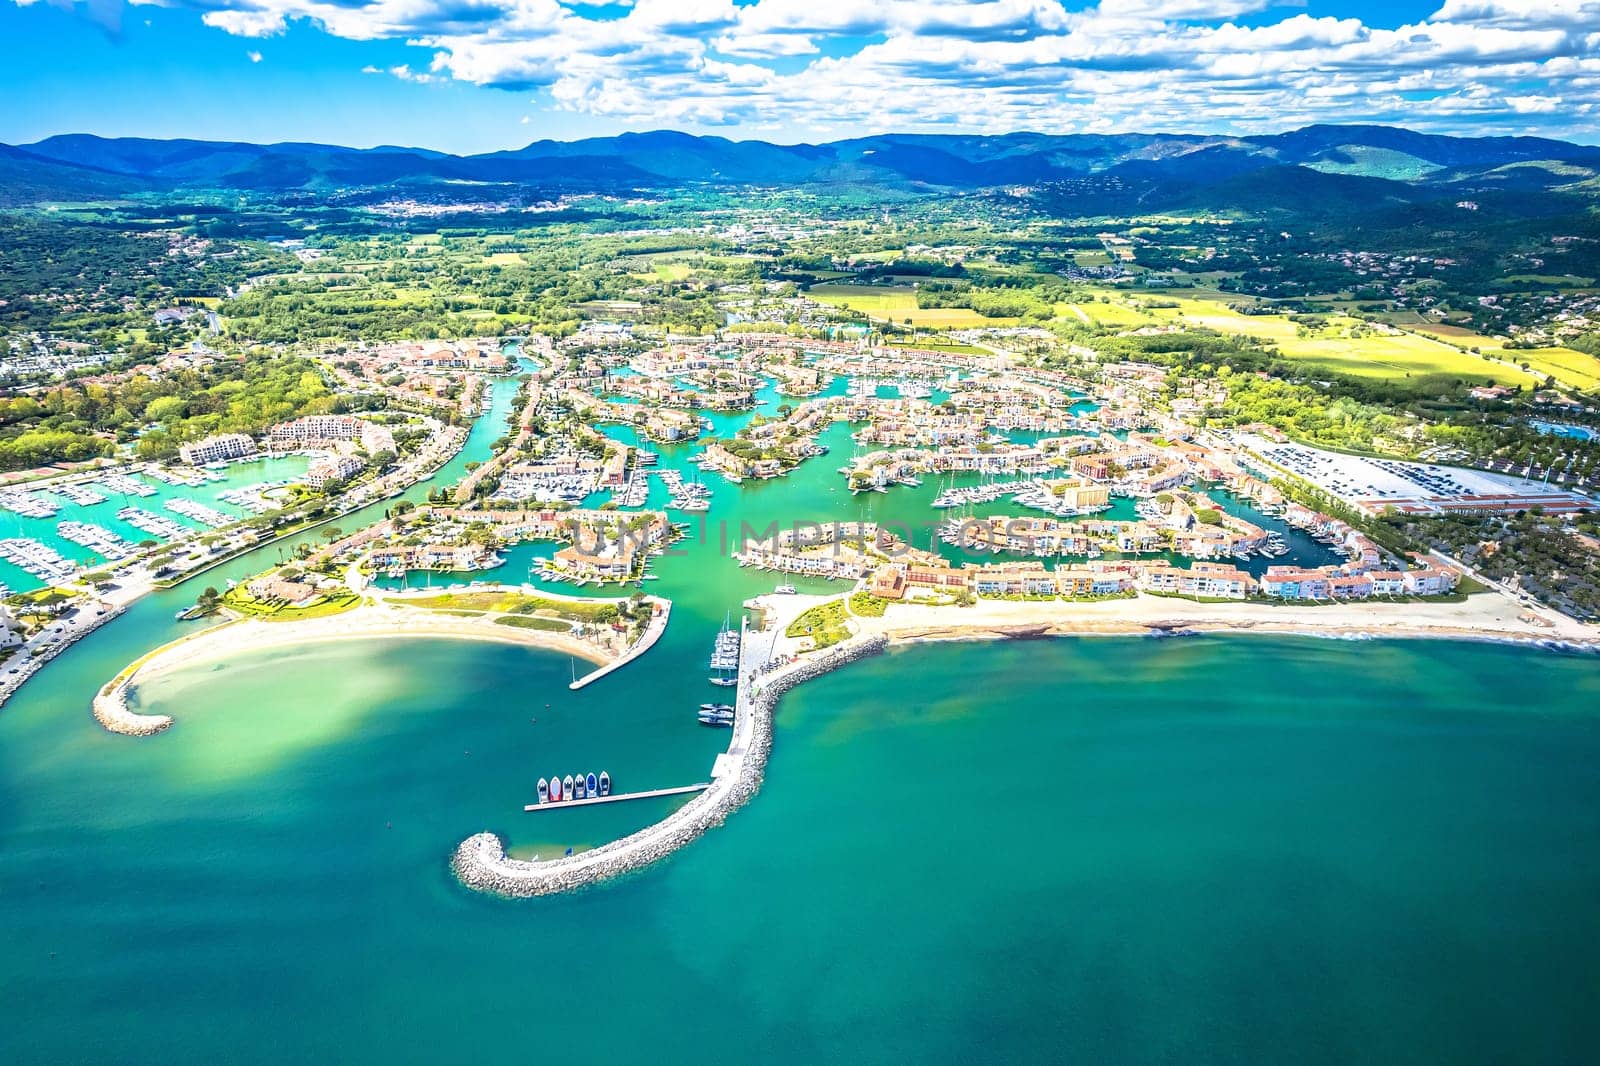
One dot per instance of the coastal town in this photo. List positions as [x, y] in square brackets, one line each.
[979, 497]
[920, 532]
[1045, 484]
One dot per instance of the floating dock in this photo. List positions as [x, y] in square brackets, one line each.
[681, 790]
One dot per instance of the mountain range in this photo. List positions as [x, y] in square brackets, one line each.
[83, 165]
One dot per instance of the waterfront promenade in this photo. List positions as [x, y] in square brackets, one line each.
[646, 641]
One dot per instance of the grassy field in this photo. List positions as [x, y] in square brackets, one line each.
[824, 624]
[1330, 347]
[935, 345]
[520, 621]
[899, 304]
[1565, 365]
[1104, 314]
[241, 602]
[867, 605]
[512, 603]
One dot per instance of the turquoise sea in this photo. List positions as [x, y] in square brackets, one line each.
[1102, 850]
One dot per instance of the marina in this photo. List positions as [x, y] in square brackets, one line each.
[124, 485]
[158, 526]
[691, 495]
[96, 538]
[207, 516]
[27, 504]
[42, 562]
[78, 493]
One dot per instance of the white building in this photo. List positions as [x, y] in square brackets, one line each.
[217, 448]
[323, 430]
[332, 468]
[314, 429]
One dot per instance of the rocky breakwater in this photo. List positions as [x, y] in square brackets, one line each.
[481, 863]
[111, 711]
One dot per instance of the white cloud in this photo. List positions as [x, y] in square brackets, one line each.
[1505, 65]
[255, 57]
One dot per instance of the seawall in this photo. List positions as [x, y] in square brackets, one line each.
[480, 862]
[36, 661]
[111, 711]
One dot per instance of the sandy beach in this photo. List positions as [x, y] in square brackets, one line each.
[1485, 616]
[371, 621]
[367, 622]
[1482, 616]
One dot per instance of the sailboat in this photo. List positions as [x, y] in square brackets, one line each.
[725, 656]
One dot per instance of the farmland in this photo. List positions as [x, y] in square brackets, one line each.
[1337, 344]
[899, 305]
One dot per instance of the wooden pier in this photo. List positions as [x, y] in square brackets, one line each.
[681, 790]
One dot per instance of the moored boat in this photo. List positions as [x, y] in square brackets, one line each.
[591, 784]
[567, 787]
[544, 790]
[555, 790]
[578, 791]
[605, 783]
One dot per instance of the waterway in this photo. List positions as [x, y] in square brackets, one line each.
[1125, 850]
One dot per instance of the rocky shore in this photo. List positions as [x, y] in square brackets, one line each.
[481, 863]
[111, 711]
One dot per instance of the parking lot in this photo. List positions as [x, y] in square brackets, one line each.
[1375, 483]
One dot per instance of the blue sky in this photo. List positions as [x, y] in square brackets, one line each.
[479, 75]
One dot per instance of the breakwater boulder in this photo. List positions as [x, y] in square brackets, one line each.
[480, 862]
[111, 711]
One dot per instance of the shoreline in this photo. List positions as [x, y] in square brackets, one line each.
[132, 587]
[481, 863]
[367, 622]
[1483, 616]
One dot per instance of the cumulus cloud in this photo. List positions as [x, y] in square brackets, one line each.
[1506, 65]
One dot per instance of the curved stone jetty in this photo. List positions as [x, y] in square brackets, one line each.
[111, 710]
[480, 862]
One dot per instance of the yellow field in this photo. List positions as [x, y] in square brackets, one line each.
[898, 305]
[1104, 314]
[504, 259]
[1565, 365]
[1331, 347]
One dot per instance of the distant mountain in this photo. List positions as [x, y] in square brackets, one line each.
[1165, 163]
[26, 178]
